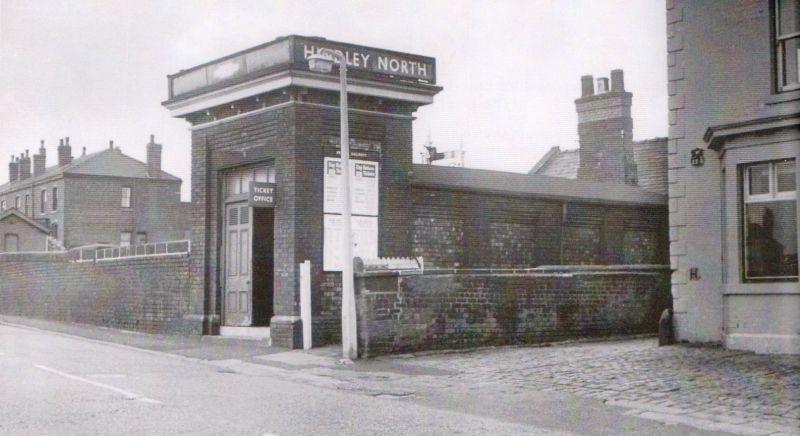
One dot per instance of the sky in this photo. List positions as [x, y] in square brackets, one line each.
[96, 70]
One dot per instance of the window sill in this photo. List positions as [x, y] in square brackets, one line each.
[783, 97]
[788, 287]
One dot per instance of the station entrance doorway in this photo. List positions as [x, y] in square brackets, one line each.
[248, 252]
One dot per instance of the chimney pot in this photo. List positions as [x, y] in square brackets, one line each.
[84, 151]
[587, 86]
[602, 85]
[617, 81]
[111, 144]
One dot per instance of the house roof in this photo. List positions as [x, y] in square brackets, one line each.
[558, 163]
[565, 163]
[500, 182]
[108, 162]
[15, 213]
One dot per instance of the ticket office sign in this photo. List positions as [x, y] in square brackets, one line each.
[261, 194]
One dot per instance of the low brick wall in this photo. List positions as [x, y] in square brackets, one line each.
[143, 294]
[461, 309]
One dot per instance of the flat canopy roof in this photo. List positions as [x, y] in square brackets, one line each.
[291, 52]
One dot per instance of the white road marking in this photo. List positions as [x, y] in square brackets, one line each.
[126, 394]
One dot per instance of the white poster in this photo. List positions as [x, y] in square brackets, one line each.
[363, 186]
[365, 240]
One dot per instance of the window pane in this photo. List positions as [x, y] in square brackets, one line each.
[261, 174]
[247, 177]
[785, 172]
[759, 179]
[771, 239]
[791, 61]
[789, 13]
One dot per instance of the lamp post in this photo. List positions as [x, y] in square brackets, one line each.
[322, 62]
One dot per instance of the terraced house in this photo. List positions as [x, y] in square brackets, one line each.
[734, 143]
[104, 197]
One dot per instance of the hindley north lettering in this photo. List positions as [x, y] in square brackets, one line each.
[377, 62]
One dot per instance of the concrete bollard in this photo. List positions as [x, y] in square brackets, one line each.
[665, 334]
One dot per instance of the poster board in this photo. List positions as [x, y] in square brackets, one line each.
[365, 240]
[364, 186]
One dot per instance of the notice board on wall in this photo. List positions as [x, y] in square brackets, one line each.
[364, 193]
[365, 240]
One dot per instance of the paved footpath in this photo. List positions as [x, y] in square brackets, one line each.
[609, 387]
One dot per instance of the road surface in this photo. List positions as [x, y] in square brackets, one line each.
[56, 384]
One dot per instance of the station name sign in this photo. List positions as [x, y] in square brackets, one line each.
[261, 194]
[376, 61]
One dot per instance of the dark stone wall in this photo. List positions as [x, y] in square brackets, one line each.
[144, 294]
[404, 313]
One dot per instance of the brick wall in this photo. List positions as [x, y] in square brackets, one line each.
[144, 294]
[402, 313]
[460, 229]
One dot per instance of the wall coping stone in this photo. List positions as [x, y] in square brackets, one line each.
[543, 271]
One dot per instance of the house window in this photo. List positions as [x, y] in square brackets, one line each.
[125, 239]
[55, 199]
[2, 206]
[770, 221]
[54, 230]
[141, 238]
[16, 202]
[27, 203]
[43, 205]
[10, 243]
[126, 196]
[787, 44]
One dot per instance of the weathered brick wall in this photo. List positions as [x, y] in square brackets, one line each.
[144, 294]
[459, 229]
[398, 313]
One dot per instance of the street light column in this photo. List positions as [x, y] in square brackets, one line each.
[323, 62]
[349, 328]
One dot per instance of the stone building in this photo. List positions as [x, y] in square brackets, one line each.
[734, 141]
[260, 119]
[20, 233]
[607, 150]
[104, 197]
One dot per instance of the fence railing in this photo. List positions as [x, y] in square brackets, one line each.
[104, 254]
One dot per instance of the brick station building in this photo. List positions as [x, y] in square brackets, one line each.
[260, 118]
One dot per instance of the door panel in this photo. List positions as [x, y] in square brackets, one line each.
[238, 289]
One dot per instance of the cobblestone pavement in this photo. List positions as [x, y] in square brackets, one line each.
[742, 392]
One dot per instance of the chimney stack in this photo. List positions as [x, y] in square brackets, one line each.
[605, 131]
[64, 153]
[153, 158]
[24, 166]
[13, 170]
[40, 160]
[617, 81]
[587, 86]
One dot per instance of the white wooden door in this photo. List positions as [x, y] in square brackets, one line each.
[238, 281]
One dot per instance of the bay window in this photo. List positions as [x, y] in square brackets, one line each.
[770, 221]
